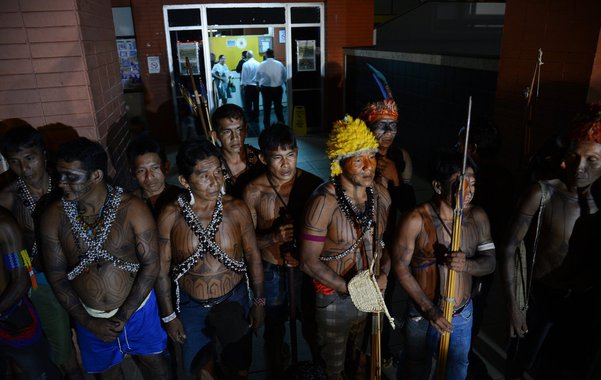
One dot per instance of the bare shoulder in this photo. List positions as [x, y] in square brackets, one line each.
[252, 191]
[415, 217]
[234, 208]
[478, 214]
[52, 214]
[383, 194]
[168, 215]
[135, 206]
[8, 224]
[8, 195]
[530, 200]
[323, 196]
[259, 182]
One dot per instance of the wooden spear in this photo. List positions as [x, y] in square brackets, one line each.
[449, 296]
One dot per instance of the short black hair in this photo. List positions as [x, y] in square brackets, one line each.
[144, 144]
[277, 135]
[448, 162]
[22, 137]
[91, 154]
[227, 111]
[269, 53]
[192, 151]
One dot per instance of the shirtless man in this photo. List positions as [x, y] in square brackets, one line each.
[21, 336]
[422, 242]
[568, 198]
[208, 244]
[241, 160]
[276, 200]
[101, 256]
[148, 165]
[337, 237]
[26, 198]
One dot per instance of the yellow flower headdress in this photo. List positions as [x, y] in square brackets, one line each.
[349, 137]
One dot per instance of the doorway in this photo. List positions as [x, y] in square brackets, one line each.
[203, 33]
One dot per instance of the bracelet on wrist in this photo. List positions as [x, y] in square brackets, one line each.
[169, 318]
[259, 301]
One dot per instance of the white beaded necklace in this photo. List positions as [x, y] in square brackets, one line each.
[95, 241]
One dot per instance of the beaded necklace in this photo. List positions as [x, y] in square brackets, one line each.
[364, 219]
[94, 239]
[206, 243]
[30, 204]
[25, 194]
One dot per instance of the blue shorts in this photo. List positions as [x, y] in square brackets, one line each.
[142, 335]
[202, 334]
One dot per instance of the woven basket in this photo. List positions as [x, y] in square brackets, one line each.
[366, 294]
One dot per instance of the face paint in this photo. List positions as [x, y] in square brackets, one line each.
[73, 180]
[384, 130]
[360, 169]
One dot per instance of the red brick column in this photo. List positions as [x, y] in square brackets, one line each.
[59, 65]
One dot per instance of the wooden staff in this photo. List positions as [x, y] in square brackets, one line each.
[197, 100]
[530, 96]
[376, 327]
[449, 296]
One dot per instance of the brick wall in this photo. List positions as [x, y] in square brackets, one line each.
[59, 67]
[58, 64]
[348, 23]
[568, 33]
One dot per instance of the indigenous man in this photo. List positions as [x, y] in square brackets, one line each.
[241, 160]
[149, 165]
[395, 168]
[276, 200]
[26, 199]
[21, 336]
[565, 200]
[394, 171]
[101, 256]
[208, 241]
[337, 237]
[422, 242]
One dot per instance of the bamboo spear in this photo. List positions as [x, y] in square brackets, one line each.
[201, 108]
[376, 328]
[449, 297]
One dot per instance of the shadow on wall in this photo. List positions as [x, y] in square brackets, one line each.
[432, 101]
[333, 104]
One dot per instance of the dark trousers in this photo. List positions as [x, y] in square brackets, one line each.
[272, 95]
[251, 102]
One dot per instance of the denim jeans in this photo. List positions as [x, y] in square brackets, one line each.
[459, 346]
[200, 343]
[415, 361]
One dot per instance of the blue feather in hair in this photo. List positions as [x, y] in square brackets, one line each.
[381, 82]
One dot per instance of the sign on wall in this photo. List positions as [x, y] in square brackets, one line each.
[128, 63]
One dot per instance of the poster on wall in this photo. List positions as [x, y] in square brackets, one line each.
[128, 63]
[188, 50]
[305, 55]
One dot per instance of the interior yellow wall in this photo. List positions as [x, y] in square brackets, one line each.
[233, 54]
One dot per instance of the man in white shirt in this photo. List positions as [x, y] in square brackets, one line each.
[271, 75]
[251, 88]
[220, 74]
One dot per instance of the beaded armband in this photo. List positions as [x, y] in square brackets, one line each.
[13, 261]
